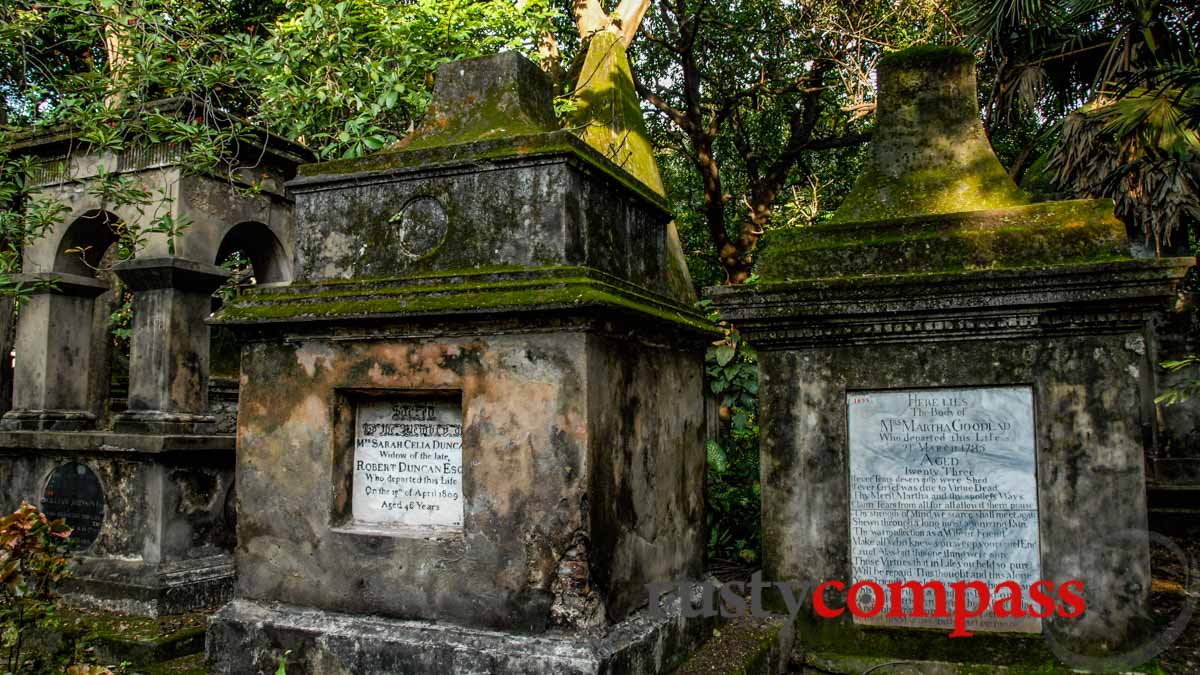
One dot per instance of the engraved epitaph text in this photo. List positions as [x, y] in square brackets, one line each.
[408, 464]
[943, 487]
[73, 493]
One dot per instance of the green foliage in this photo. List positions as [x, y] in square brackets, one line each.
[282, 668]
[733, 489]
[32, 563]
[1185, 390]
[761, 109]
[346, 77]
[24, 216]
[351, 76]
[1109, 89]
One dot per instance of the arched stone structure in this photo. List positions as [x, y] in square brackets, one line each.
[56, 345]
[164, 541]
[272, 261]
[171, 280]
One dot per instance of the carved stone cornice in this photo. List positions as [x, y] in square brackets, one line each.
[981, 305]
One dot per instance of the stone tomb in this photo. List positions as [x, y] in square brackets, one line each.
[150, 509]
[472, 431]
[956, 384]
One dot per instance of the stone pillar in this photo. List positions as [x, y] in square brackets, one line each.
[168, 365]
[55, 352]
[7, 334]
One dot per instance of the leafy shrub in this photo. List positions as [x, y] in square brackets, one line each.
[32, 563]
[733, 489]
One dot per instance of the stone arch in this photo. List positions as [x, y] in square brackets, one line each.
[88, 248]
[266, 253]
[85, 242]
[63, 350]
[270, 263]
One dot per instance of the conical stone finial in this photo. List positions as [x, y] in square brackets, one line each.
[608, 117]
[608, 114]
[933, 198]
[929, 153]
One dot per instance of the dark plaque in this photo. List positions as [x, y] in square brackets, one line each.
[74, 494]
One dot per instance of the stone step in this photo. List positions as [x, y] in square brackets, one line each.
[193, 664]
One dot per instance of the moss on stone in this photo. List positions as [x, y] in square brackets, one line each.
[186, 665]
[487, 115]
[1054, 233]
[466, 293]
[495, 150]
[741, 646]
[925, 56]
[608, 114]
[937, 189]
[929, 153]
[608, 117]
[834, 640]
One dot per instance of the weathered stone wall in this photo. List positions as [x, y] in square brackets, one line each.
[647, 511]
[191, 495]
[167, 529]
[565, 215]
[1087, 455]
[524, 455]
[533, 471]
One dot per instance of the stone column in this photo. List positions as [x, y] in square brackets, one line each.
[55, 352]
[168, 365]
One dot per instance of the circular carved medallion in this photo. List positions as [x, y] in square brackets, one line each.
[420, 227]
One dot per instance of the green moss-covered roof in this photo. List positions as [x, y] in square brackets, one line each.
[1049, 233]
[462, 293]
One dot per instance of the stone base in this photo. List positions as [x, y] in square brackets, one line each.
[48, 420]
[158, 422]
[248, 636]
[140, 589]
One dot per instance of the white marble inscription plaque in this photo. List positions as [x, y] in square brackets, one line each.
[943, 487]
[408, 465]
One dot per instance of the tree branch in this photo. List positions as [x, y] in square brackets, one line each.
[630, 13]
[590, 17]
[674, 114]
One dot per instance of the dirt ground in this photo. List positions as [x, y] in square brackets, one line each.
[1176, 591]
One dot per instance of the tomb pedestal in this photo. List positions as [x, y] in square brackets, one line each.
[956, 385]
[473, 430]
[153, 514]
